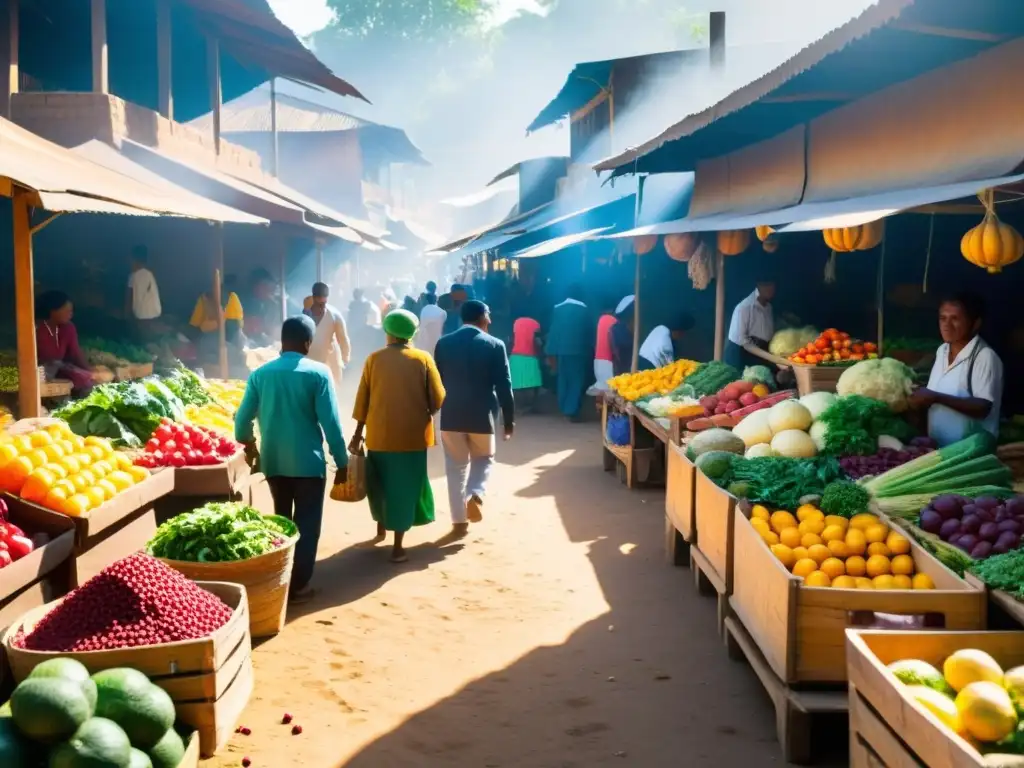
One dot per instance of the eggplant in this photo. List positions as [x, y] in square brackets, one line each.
[967, 542]
[948, 506]
[931, 521]
[970, 523]
[1007, 542]
[949, 528]
[981, 550]
[988, 531]
[970, 509]
[1009, 525]
[987, 502]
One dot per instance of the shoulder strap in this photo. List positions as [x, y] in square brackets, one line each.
[970, 369]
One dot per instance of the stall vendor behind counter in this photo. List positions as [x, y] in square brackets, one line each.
[752, 326]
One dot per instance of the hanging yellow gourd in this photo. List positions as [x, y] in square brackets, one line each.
[733, 242]
[764, 232]
[681, 247]
[644, 244]
[992, 244]
[860, 238]
[770, 245]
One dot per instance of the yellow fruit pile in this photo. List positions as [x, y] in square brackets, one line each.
[227, 392]
[212, 416]
[831, 551]
[661, 381]
[63, 472]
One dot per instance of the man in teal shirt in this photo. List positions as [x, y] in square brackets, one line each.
[292, 397]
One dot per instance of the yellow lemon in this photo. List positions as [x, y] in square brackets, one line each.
[838, 549]
[855, 541]
[55, 499]
[863, 582]
[121, 480]
[878, 548]
[804, 567]
[759, 525]
[902, 582]
[138, 473]
[833, 533]
[97, 452]
[66, 486]
[790, 537]
[123, 461]
[56, 470]
[770, 538]
[760, 512]
[7, 453]
[810, 540]
[842, 522]
[38, 458]
[844, 582]
[818, 553]
[40, 437]
[782, 520]
[883, 581]
[812, 525]
[922, 581]
[54, 451]
[83, 458]
[108, 488]
[23, 443]
[100, 442]
[81, 481]
[76, 506]
[902, 565]
[784, 555]
[897, 543]
[806, 511]
[70, 463]
[876, 533]
[799, 553]
[77, 442]
[833, 567]
[96, 497]
[817, 579]
[878, 565]
[863, 520]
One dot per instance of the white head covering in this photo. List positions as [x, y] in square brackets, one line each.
[624, 305]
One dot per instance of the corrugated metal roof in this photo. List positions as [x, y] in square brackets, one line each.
[556, 244]
[65, 202]
[891, 41]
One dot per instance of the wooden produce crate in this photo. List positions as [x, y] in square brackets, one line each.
[680, 505]
[872, 742]
[925, 740]
[817, 378]
[55, 388]
[227, 480]
[209, 679]
[133, 371]
[615, 455]
[800, 630]
[191, 759]
[1005, 611]
[712, 557]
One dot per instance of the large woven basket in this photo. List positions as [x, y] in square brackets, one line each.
[266, 580]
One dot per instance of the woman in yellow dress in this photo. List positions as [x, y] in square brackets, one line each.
[205, 322]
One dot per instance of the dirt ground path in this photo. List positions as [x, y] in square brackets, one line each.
[555, 637]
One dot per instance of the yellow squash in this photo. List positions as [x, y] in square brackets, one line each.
[733, 242]
[992, 244]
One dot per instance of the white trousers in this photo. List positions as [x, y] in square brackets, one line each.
[468, 459]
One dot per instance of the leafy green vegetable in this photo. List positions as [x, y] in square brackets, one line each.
[760, 374]
[1005, 572]
[187, 386]
[708, 379]
[781, 482]
[220, 532]
[853, 424]
[845, 499]
[120, 411]
[108, 352]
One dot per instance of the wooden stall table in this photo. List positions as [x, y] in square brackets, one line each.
[1004, 610]
[614, 456]
[133, 371]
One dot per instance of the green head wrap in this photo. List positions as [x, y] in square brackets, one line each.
[401, 324]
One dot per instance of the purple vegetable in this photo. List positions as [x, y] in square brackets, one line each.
[947, 506]
[967, 542]
[970, 523]
[931, 521]
[987, 502]
[1015, 506]
[955, 538]
[985, 515]
[1002, 514]
[1007, 542]
[988, 531]
[981, 550]
[1009, 525]
[923, 442]
[971, 509]
[949, 528]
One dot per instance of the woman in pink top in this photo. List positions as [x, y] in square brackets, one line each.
[57, 342]
[523, 362]
[603, 369]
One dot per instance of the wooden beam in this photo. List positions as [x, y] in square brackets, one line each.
[937, 31]
[635, 364]
[218, 276]
[100, 57]
[274, 159]
[590, 106]
[213, 81]
[25, 309]
[719, 306]
[283, 256]
[9, 57]
[164, 61]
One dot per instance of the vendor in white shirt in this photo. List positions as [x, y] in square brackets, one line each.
[143, 297]
[658, 349]
[966, 384]
[751, 328]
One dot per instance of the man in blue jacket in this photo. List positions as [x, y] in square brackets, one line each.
[475, 372]
[570, 351]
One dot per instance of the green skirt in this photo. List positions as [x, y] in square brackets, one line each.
[525, 372]
[398, 489]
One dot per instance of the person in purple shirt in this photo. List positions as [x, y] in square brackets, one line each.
[57, 347]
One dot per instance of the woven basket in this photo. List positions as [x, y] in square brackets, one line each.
[266, 580]
[354, 488]
[1012, 455]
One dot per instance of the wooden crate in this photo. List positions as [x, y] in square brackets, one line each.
[1002, 605]
[228, 479]
[133, 371]
[215, 720]
[872, 742]
[817, 378]
[711, 558]
[680, 504]
[868, 653]
[191, 759]
[800, 630]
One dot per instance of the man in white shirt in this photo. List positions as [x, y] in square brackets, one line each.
[658, 349]
[432, 319]
[143, 299]
[752, 327]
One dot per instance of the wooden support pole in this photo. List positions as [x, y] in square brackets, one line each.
[9, 56]
[636, 315]
[213, 80]
[880, 299]
[319, 260]
[165, 76]
[283, 256]
[25, 308]
[274, 158]
[100, 68]
[716, 30]
[719, 306]
[218, 278]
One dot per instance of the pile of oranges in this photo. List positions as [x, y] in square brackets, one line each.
[832, 551]
[59, 470]
[834, 346]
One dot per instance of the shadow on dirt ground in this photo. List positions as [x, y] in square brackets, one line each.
[645, 683]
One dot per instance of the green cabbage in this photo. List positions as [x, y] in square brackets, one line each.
[790, 340]
[885, 379]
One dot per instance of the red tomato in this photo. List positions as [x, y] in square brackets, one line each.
[163, 433]
[190, 458]
[5, 558]
[152, 445]
[177, 460]
[170, 446]
[211, 459]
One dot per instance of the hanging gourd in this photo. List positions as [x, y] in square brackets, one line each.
[644, 244]
[681, 247]
[992, 244]
[733, 242]
[770, 245]
[859, 238]
[764, 232]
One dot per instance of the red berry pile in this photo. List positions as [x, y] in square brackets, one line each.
[186, 445]
[136, 601]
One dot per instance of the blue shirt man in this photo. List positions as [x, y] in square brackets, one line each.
[293, 400]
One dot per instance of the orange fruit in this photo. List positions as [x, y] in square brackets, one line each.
[40, 437]
[790, 537]
[878, 548]
[812, 525]
[817, 579]
[855, 541]
[818, 553]
[897, 543]
[883, 581]
[833, 533]
[799, 553]
[8, 452]
[96, 497]
[76, 506]
[833, 567]
[37, 486]
[876, 533]
[759, 525]
[803, 568]
[844, 582]
[878, 565]
[838, 549]
[902, 565]
[810, 540]
[784, 555]
[771, 538]
[863, 582]
[922, 581]
[108, 488]
[15, 473]
[863, 520]
[782, 519]
[842, 522]
[808, 511]
[901, 581]
[55, 500]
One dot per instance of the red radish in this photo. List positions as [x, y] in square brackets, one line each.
[748, 398]
[296, 730]
[286, 719]
[5, 558]
[246, 762]
[19, 546]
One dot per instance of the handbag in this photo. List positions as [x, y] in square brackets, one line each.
[354, 488]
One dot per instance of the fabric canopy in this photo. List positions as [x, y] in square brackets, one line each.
[558, 243]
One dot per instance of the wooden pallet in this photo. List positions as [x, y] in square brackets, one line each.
[795, 709]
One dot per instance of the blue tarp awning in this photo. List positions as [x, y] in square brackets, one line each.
[890, 42]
